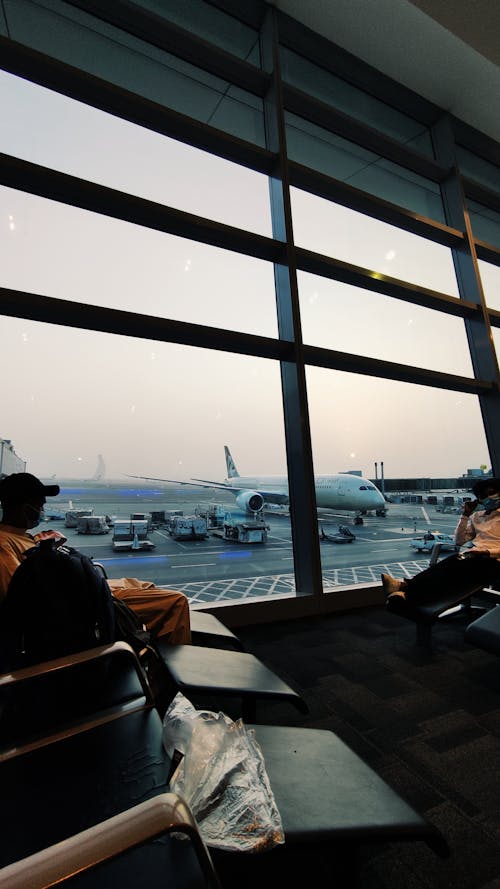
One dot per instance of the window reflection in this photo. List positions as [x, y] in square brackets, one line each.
[345, 234]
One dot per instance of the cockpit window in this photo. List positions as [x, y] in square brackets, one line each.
[363, 488]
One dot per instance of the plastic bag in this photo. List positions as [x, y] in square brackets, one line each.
[222, 777]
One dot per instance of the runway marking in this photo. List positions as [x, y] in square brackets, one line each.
[191, 565]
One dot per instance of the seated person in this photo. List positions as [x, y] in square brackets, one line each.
[22, 496]
[478, 563]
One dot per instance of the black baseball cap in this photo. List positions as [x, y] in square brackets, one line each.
[22, 486]
[480, 487]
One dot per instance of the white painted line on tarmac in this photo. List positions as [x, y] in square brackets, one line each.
[195, 565]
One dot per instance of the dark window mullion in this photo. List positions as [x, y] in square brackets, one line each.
[478, 327]
[303, 514]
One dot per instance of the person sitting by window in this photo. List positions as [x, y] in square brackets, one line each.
[477, 565]
[22, 496]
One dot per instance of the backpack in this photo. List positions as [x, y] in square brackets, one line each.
[129, 628]
[57, 603]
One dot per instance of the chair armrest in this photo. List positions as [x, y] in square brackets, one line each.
[80, 657]
[164, 813]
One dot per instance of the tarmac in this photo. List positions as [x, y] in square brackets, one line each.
[214, 570]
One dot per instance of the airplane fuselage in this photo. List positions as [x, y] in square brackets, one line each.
[340, 491]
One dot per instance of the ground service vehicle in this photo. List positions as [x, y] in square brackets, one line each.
[427, 541]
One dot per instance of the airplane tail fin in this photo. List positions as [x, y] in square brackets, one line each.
[232, 472]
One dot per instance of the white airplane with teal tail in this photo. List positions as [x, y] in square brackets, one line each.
[342, 491]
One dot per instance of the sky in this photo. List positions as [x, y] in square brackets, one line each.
[165, 410]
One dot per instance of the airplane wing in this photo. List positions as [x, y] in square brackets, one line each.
[196, 483]
[269, 496]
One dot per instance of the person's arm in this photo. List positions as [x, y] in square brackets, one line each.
[465, 530]
[8, 564]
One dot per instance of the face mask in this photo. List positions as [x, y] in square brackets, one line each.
[490, 503]
[33, 515]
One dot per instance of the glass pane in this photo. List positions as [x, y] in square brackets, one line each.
[85, 142]
[212, 24]
[93, 259]
[332, 90]
[330, 154]
[490, 278]
[93, 409]
[85, 42]
[477, 168]
[336, 231]
[412, 442]
[485, 223]
[348, 319]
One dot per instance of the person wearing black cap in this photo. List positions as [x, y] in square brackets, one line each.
[22, 496]
[477, 565]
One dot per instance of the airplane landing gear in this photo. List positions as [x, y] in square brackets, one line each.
[358, 520]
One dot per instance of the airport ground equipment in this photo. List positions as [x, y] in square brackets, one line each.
[142, 517]
[131, 536]
[427, 541]
[331, 802]
[189, 527]
[92, 524]
[73, 515]
[342, 534]
[214, 514]
[242, 532]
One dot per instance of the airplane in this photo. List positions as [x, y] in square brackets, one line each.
[341, 491]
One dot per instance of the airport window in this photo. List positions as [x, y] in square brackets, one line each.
[345, 234]
[391, 329]
[89, 258]
[474, 167]
[328, 153]
[332, 90]
[490, 279]
[411, 432]
[162, 410]
[485, 223]
[165, 407]
[81, 40]
[83, 141]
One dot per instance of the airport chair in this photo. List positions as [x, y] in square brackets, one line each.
[124, 851]
[485, 631]
[49, 699]
[331, 803]
[206, 629]
[426, 615]
[216, 673]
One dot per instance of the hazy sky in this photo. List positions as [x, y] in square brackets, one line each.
[165, 410]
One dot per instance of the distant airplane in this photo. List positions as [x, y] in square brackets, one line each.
[341, 491]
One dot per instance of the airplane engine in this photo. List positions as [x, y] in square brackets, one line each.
[250, 501]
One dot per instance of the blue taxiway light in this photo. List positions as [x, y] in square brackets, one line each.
[242, 554]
